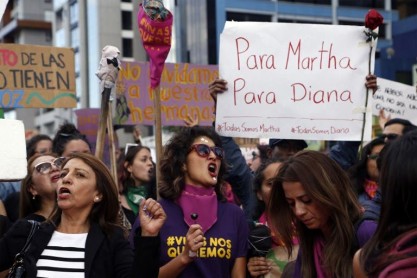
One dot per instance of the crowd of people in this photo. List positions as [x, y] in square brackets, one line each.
[83, 236]
[297, 212]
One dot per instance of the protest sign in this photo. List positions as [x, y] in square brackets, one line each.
[3, 4]
[184, 90]
[396, 99]
[36, 76]
[87, 124]
[13, 163]
[293, 81]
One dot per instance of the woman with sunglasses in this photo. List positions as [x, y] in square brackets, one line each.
[83, 237]
[204, 236]
[38, 192]
[365, 180]
[365, 175]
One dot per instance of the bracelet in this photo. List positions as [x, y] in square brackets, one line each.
[192, 254]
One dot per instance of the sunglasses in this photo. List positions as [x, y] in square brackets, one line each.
[204, 150]
[130, 146]
[389, 136]
[46, 167]
[373, 156]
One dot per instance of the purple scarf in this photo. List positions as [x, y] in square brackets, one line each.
[318, 255]
[201, 201]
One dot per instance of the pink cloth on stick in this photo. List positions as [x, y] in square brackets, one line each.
[156, 38]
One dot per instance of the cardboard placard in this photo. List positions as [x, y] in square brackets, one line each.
[33, 76]
[396, 99]
[184, 90]
[13, 163]
[293, 81]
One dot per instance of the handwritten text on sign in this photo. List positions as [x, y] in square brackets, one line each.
[36, 76]
[294, 81]
[396, 99]
[184, 90]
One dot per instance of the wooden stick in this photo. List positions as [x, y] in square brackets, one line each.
[104, 111]
[113, 162]
[158, 134]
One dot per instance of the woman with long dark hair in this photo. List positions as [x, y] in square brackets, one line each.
[392, 251]
[314, 194]
[137, 180]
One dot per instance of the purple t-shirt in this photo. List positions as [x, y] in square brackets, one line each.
[226, 240]
[365, 231]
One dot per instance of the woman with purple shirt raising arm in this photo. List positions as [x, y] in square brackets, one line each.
[204, 236]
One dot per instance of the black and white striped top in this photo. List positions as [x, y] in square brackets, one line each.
[63, 257]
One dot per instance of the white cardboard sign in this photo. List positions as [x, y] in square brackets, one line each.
[396, 99]
[293, 81]
[3, 4]
[13, 164]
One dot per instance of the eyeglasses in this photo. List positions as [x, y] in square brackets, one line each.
[389, 136]
[373, 156]
[46, 167]
[204, 150]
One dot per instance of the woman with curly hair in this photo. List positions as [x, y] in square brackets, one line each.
[312, 192]
[204, 236]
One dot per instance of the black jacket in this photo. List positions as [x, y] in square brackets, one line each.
[105, 256]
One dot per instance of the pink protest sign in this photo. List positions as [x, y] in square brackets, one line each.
[183, 90]
[87, 124]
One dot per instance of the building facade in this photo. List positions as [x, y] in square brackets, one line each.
[84, 25]
[27, 22]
